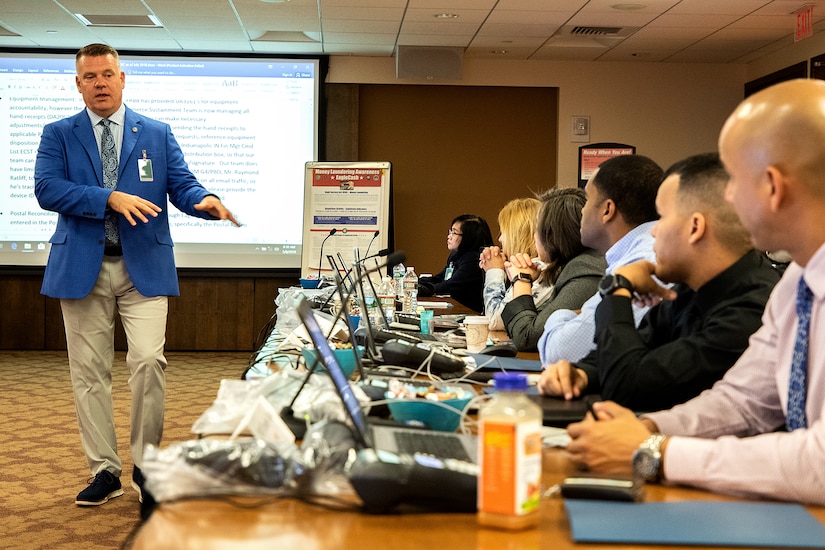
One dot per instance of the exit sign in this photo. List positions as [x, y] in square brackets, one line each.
[804, 23]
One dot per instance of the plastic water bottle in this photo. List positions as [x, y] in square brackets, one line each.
[509, 439]
[410, 289]
[373, 306]
[386, 295]
[398, 272]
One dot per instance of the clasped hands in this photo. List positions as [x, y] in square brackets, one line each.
[493, 257]
[135, 208]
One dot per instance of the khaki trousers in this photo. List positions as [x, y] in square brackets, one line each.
[90, 324]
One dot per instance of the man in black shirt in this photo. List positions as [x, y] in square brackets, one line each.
[687, 342]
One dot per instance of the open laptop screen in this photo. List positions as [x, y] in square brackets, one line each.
[336, 373]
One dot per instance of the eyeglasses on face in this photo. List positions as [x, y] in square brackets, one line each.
[454, 232]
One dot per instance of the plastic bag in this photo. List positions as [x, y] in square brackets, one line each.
[287, 309]
[236, 397]
[252, 467]
[205, 467]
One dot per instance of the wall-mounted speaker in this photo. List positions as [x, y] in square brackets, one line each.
[429, 62]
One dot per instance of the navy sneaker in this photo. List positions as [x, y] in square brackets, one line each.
[137, 482]
[100, 490]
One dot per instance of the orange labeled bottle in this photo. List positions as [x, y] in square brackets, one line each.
[509, 483]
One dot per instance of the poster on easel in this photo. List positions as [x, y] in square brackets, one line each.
[346, 211]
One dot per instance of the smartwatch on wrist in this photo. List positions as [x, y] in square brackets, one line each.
[613, 282]
[647, 460]
[521, 276]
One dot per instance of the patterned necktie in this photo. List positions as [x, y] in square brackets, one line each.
[799, 365]
[108, 157]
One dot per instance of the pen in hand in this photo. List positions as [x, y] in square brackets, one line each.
[590, 408]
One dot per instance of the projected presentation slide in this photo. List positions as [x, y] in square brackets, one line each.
[246, 126]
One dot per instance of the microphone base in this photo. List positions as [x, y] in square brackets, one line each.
[297, 426]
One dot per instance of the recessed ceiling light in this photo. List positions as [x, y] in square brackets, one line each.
[628, 7]
[446, 16]
[500, 52]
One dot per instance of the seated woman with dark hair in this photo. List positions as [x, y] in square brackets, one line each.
[573, 269]
[461, 278]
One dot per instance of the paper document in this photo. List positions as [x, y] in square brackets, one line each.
[435, 305]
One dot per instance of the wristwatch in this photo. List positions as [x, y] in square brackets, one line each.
[522, 276]
[613, 282]
[647, 460]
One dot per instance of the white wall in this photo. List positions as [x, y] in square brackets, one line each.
[791, 54]
[667, 110]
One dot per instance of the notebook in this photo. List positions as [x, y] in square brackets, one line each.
[394, 439]
[743, 524]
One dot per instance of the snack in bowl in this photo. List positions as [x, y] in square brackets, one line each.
[437, 407]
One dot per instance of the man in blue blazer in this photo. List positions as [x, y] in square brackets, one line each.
[107, 172]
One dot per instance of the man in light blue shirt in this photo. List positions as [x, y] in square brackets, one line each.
[616, 219]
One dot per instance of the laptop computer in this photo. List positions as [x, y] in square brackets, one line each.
[395, 439]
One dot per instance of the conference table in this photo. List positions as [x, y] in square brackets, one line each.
[245, 523]
[242, 522]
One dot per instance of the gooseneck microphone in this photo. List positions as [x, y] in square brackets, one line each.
[393, 258]
[374, 236]
[362, 274]
[297, 426]
[345, 294]
[380, 254]
[332, 232]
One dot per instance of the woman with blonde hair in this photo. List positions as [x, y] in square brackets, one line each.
[517, 223]
[573, 269]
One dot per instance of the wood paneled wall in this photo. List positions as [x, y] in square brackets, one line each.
[456, 150]
[212, 313]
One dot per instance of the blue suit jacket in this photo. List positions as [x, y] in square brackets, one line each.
[68, 179]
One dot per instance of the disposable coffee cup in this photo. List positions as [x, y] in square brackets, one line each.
[476, 329]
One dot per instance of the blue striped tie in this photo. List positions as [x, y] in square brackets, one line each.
[108, 157]
[799, 365]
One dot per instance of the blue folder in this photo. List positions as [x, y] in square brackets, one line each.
[752, 524]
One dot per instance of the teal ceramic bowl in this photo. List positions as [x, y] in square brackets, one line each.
[431, 413]
[346, 358]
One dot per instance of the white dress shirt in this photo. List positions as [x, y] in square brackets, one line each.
[569, 336]
[725, 439]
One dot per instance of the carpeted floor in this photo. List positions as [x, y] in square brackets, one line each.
[42, 466]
